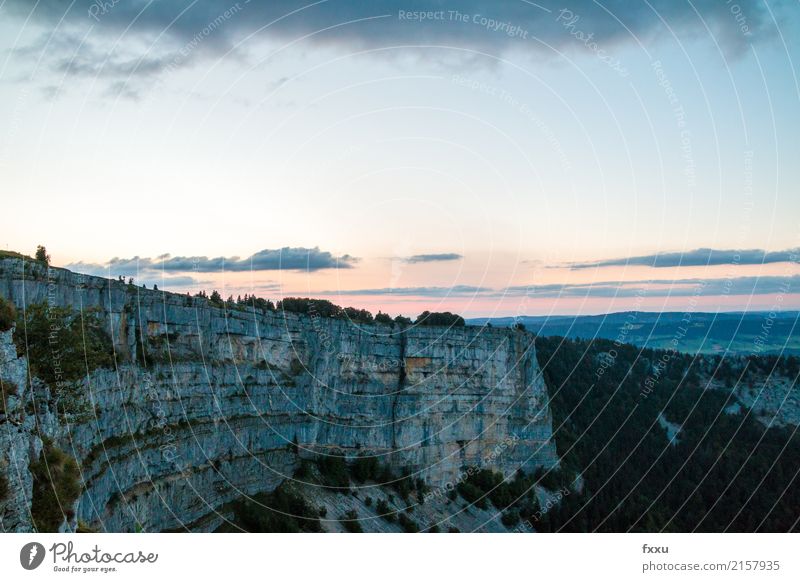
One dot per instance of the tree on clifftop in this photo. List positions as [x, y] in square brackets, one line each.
[444, 319]
[41, 254]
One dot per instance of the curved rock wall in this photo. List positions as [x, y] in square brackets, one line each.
[206, 404]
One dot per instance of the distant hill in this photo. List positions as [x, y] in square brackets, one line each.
[707, 333]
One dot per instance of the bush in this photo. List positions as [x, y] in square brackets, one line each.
[366, 469]
[8, 315]
[472, 494]
[350, 522]
[6, 389]
[3, 488]
[510, 518]
[314, 307]
[357, 315]
[282, 511]
[382, 508]
[56, 486]
[445, 318]
[383, 318]
[296, 367]
[303, 471]
[403, 485]
[408, 524]
[334, 471]
[486, 484]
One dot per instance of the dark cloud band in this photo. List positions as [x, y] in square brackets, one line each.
[287, 258]
[433, 258]
[699, 258]
[171, 29]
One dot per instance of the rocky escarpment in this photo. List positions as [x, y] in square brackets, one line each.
[204, 404]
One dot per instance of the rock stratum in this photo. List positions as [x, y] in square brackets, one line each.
[204, 405]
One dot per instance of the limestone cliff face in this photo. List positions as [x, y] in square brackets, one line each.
[206, 405]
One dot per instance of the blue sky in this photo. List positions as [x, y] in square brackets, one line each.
[316, 148]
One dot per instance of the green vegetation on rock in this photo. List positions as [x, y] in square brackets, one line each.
[8, 315]
[350, 522]
[62, 347]
[56, 486]
[282, 511]
[445, 318]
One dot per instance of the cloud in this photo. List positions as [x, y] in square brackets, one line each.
[698, 258]
[147, 38]
[454, 291]
[286, 258]
[769, 285]
[433, 258]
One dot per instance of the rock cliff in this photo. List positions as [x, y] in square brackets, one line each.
[205, 404]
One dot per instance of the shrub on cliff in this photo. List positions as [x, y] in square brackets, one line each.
[3, 488]
[334, 470]
[313, 307]
[408, 524]
[357, 315]
[445, 318]
[383, 318]
[366, 469]
[282, 511]
[7, 388]
[350, 522]
[8, 315]
[485, 484]
[403, 484]
[382, 509]
[510, 518]
[56, 486]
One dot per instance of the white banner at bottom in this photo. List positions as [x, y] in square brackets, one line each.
[373, 557]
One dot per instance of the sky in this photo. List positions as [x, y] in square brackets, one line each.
[487, 158]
